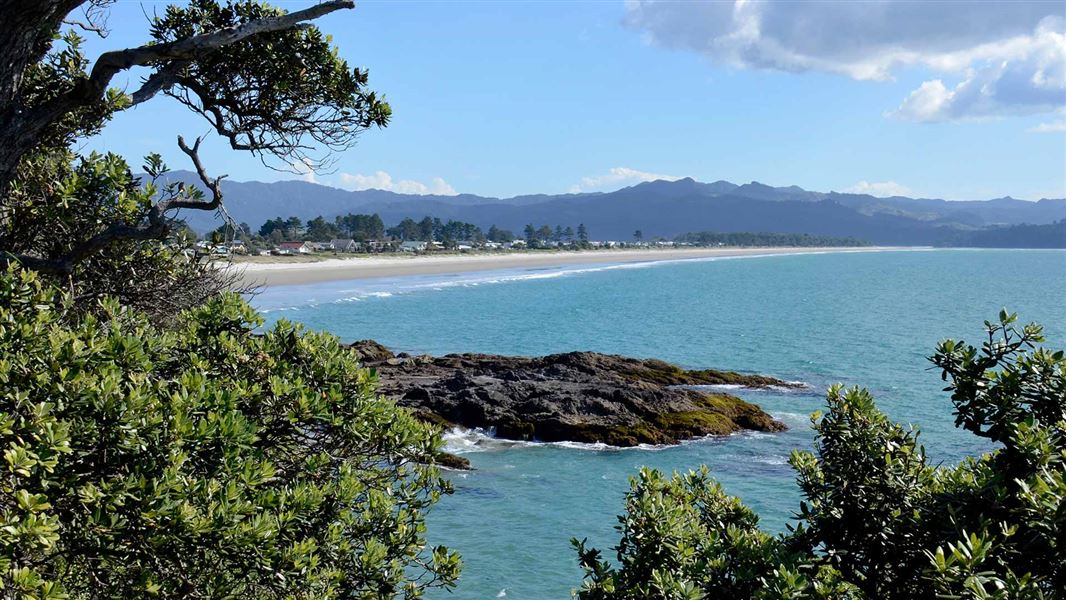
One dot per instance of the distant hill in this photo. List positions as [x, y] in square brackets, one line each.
[1052, 235]
[658, 208]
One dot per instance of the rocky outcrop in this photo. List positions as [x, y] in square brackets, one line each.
[577, 396]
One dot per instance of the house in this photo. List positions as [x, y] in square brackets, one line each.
[414, 246]
[348, 245]
[374, 245]
[288, 248]
[515, 244]
[238, 247]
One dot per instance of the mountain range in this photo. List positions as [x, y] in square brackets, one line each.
[659, 209]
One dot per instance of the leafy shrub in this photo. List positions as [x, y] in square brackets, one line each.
[202, 461]
[877, 520]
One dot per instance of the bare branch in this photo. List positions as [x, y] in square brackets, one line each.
[95, 18]
[88, 26]
[211, 183]
[156, 229]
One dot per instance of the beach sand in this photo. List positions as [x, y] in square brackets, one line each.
[343, 269]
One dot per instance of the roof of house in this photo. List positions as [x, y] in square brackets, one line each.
[291, 244]
[340, 242]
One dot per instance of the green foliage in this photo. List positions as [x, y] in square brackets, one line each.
[61, 70]
[60, 200]
[203, 461]
[267, 92]
[682, 538]
[877, 520]
[84, 221]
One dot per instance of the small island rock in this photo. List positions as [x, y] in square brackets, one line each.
[576, 396]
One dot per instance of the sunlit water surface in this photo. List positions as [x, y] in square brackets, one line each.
[868, 319]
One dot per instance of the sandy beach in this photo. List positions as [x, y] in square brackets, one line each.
[342, 269]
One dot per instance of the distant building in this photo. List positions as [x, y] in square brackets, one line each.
[414, 246]
[288, 248]
[343, 245]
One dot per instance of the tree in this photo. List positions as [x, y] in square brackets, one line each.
[265, 80]
[544, 233]
[426, 228]
[272, 225]
[638, 235]
[582, 233]
[408, 229]
[568, 233]
[530, 233]
[500, 235]
[877, 520]
[557, 235]
[321, 230]
[202, 461]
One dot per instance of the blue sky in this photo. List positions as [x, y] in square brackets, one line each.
[512, 98]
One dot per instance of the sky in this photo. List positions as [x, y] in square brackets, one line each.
[957, 100]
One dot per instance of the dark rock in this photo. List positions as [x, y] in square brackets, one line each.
[370, 351]
[577, 396]
[452, 461]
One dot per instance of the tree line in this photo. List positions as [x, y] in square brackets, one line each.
[713, 238]
[370, 227]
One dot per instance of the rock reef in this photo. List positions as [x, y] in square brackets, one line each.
[577, 396]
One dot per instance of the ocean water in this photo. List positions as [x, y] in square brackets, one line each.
[868, 319]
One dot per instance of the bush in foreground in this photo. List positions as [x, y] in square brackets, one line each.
[877, 520]
[202, 461]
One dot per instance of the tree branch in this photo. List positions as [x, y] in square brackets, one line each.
[111, 63]
[158, 81]
[156, 228]
[28, 123]
[211, 183]
[65, 264]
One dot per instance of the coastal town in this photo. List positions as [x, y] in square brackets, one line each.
[367, 235]
[340, 246]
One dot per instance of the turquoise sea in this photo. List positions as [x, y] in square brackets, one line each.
[867, 319]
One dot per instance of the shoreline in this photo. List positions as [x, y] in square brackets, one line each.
[344, 269]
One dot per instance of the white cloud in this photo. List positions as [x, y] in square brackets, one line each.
[616, 178]
[380, 180]
[306, 171]
[1020, 78]
[1054, 127]
[1008, 57]
[881, 189]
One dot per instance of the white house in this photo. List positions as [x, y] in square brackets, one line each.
[414, 246]
[295, 248]
[343, 245]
